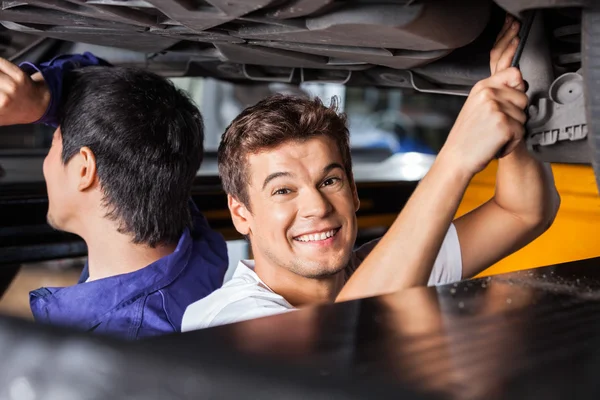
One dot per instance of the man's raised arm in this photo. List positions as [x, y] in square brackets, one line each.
[525, 203]
[491, 118]
[31, 93]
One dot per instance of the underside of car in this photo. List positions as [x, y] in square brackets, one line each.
[435, 46]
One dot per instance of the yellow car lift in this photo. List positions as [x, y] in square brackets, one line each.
[575, 234]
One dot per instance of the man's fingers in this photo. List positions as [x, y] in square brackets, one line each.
[507, 56]
[514, 112]
[517, 133]
[512, 96]
[7, 84]
[503, 95]
[502, 45]
[510, 77]
[11, 70]
[507, 22]
[505, 39]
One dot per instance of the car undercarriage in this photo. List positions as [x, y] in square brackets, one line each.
[433, 46]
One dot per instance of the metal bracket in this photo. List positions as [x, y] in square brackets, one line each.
[557, 108]
[423, 85]
[255, 74]
[560, 117]
[320, 76]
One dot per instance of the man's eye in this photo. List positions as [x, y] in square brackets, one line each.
[331, 181]
[282, 191]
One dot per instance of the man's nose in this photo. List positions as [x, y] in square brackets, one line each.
[315, 204]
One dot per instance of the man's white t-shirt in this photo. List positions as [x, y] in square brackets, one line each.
[246, 296]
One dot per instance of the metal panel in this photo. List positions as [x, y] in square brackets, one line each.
[399, 59]
[265, 56]
[138, 41]
[515, 7]
[515, 336]
[426, 26]
[84, 9]
[321, 35]
[50, 364]
[300, 8]
[200, 18]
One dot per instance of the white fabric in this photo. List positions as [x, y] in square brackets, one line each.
[246, 296]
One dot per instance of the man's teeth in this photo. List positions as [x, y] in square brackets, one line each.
[316, 236]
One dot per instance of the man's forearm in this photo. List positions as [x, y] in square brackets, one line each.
[523, 207]
[405, 255]
[525, 187]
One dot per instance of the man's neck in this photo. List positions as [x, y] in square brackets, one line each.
[111, 253]
[297, 290]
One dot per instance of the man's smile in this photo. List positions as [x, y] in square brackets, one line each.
[321, 237]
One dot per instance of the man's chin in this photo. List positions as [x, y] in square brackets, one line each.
[324, 269]
[53, 224]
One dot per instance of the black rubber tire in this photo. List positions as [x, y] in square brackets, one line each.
[590, 51]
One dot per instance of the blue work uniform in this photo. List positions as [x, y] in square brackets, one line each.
[147, 302]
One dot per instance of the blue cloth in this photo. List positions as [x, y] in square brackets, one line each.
[53, 72]
[144, 303]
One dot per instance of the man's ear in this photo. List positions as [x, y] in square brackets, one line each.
[240, 215]
[87, 169]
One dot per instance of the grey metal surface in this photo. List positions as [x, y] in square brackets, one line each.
[40, 363]
[556, 111]
[560, 117]
[524, 335]
[222, 38]
[13, 43]
[536, 63]
[515, 7]
[445, 44]
[591, 71]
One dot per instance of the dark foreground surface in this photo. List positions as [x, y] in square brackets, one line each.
[531, 334]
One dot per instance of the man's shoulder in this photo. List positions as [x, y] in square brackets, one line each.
[243, 297]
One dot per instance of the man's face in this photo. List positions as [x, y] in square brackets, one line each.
[303, 208]
[56, 174]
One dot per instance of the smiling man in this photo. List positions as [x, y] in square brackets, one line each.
[286, 167]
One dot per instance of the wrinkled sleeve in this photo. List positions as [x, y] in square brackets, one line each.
[448, 264]
[447, 267]
[235, 304]
[247, 309]
[53, 72]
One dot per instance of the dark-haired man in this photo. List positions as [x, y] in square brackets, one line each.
[285, 165]
[119, 174]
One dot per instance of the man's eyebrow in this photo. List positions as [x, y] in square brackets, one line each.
[331, 167]
[274, 175]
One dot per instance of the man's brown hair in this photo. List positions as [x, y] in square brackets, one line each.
[271, 122]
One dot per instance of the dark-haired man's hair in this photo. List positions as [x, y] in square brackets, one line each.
[147, 137]
[271, 122]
